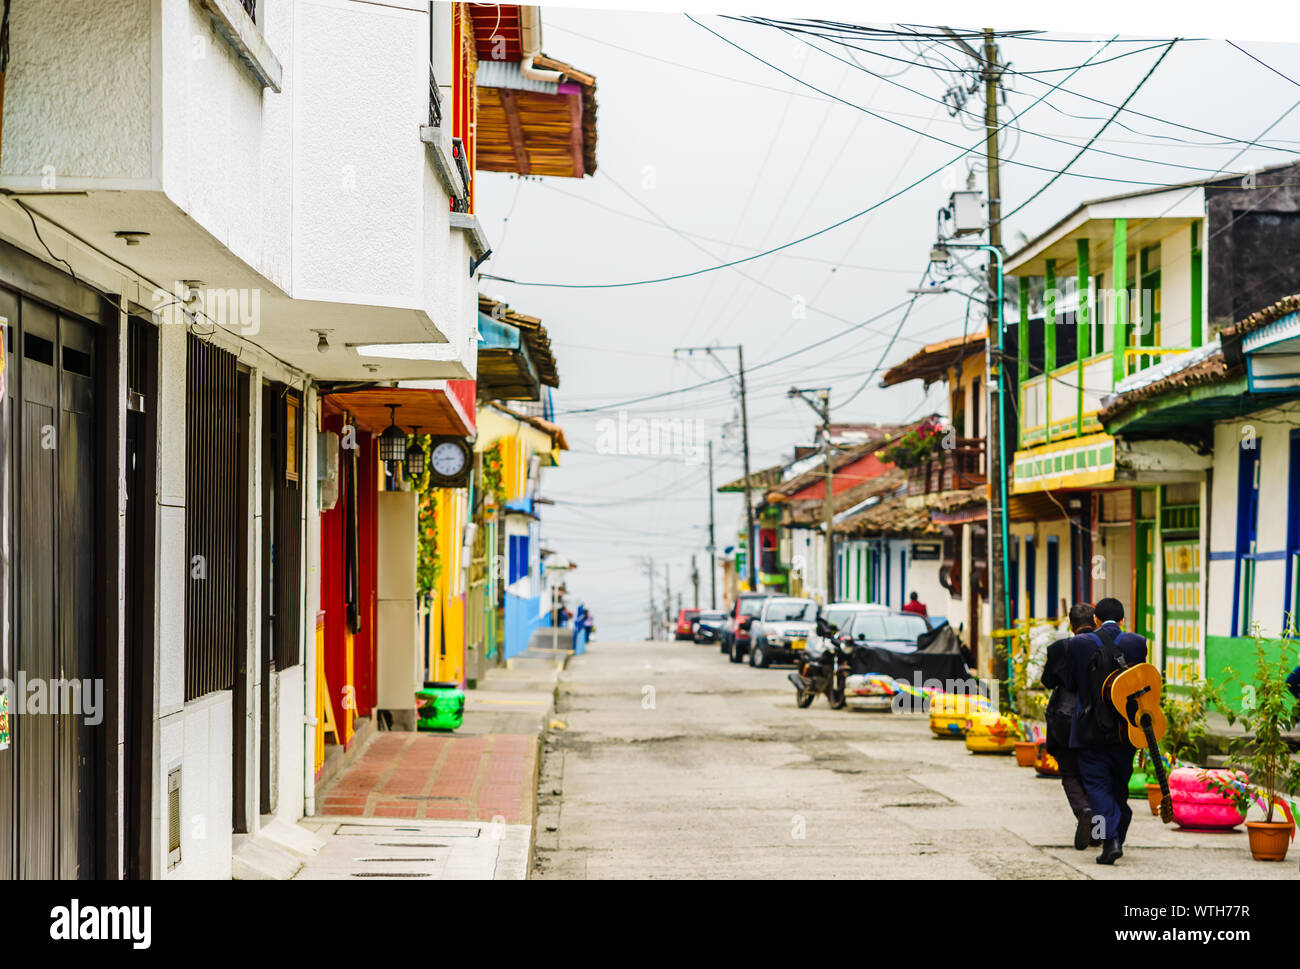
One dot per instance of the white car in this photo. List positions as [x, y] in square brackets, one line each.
[782, 629]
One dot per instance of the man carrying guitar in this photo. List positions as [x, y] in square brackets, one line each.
[1104, 752]
[1060, 715]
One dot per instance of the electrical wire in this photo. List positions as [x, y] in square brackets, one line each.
[1132, 94]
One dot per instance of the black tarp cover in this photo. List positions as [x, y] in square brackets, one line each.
[938, 656]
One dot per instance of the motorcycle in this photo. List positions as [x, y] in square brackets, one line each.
[825, 672]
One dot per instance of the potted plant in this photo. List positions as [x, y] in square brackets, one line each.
[1267, 712]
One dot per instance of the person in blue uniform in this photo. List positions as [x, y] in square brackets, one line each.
[1105, 757]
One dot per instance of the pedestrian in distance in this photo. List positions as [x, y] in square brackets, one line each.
[1105, 756]
[914, 604]
[1060, 712]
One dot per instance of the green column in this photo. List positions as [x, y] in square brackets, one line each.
[1197, 323]
[1022, 363]
[1119, 286]
[1049, 338]
[1082, 318]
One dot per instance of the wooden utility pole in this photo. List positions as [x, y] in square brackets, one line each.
[713, 560]
[695, 581]
[751, 559]
[651, 571]
[991, 75]
[821, 405]
[751, 553]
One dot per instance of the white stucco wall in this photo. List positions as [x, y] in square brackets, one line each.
[86, 68]
[1272, 437]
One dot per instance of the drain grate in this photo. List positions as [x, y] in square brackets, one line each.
[410, 844]
[391, 874]
[410, 861]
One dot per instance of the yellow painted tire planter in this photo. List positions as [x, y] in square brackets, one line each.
[949, 713]
[988, 732]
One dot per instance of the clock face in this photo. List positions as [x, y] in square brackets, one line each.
[448, 460]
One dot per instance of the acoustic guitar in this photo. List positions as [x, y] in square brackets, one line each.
[1135, 694]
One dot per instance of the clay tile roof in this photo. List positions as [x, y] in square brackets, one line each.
[893, 516]
[809, 511]
[846, 457]
[931, 363]
[1212, 369]
[1262, 318]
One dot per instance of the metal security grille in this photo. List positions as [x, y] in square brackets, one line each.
[251, 7]
[214, 579]
[284, 523]
[173, 817]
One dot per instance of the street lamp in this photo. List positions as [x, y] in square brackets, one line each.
[415, 454]
[392, 443]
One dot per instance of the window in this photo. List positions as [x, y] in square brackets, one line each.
[1148, 303]
[1293, 537]
[518, 564]
[1247, 537]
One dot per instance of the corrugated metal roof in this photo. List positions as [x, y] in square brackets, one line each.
[507, 74]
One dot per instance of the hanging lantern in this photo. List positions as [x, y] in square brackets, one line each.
[415, 454]
[392, 443]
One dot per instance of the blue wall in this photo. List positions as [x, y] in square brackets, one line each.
[521, 620]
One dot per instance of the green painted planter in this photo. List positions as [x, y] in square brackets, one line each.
[439, 706]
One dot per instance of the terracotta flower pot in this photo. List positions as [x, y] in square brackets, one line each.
[1268, 839]
[1154, 796]
[1026, 753]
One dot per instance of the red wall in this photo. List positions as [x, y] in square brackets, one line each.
[850, 476]
[331, 581]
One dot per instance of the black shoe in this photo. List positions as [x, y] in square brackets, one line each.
[1111, 851]
[1083, 833]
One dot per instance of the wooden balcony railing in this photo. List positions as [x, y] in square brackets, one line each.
[951, 469]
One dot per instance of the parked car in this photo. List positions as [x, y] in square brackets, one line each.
[709, 626]
[744, 609]
[780, 632]
[684, 620]
[891, 630]
[840, 615]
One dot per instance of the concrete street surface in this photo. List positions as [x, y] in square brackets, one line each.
[674, 763]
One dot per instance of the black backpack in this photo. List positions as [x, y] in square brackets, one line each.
[1099, 721]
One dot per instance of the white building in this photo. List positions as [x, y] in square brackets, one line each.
[212, 209]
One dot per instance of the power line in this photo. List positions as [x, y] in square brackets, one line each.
[1132, 94]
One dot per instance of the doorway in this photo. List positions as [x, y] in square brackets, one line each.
[50, 774]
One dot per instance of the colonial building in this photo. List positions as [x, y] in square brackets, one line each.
[1118, 292]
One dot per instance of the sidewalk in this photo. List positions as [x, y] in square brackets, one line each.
[444, 805]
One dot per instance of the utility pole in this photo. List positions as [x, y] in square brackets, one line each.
[991, 75]
[821, 405]
[695, 581]
[650, 571]
[751, 559]
[713, 560]
[668, 602]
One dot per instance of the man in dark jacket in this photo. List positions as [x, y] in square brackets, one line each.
[1105, 757]
[1060, 713]
[1293, 682]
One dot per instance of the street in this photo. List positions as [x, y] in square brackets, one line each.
[674, 763]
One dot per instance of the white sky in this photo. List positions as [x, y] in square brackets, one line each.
[738, 157]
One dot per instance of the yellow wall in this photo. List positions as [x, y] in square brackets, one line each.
[447, 621]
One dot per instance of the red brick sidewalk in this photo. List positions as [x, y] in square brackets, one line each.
[423, 775]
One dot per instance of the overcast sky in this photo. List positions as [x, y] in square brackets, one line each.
[706, 155]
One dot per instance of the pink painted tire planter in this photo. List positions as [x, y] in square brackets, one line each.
[1199, 807]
